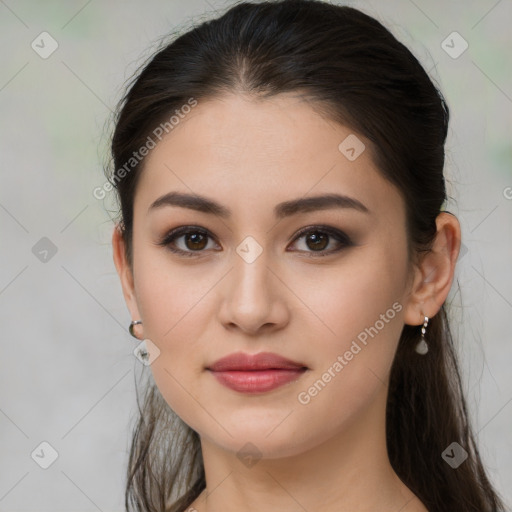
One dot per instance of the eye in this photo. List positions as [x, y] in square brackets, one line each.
[195, 240]
[318, 238]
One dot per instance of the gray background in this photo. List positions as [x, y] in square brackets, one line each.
[67, 372]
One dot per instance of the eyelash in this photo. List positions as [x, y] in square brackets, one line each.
[339, 236]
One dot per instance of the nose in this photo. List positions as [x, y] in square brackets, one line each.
[254, 298]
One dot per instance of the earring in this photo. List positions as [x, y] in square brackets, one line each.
[133, 323]
[422, 347]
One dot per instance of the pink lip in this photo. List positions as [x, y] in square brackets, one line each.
[255, 373]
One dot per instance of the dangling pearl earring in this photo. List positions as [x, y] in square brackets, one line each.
[422, 347]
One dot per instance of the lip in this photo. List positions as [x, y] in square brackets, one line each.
[240, 361]
[256, 373]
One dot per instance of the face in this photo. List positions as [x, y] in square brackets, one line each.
[322, 284]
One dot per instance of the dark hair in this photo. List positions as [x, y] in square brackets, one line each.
[355, 72]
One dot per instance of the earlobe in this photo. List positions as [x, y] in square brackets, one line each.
[434, 274]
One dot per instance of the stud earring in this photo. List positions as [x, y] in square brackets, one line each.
[133, 323]
[422, 347]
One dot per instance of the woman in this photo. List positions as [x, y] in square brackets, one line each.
[285, 255]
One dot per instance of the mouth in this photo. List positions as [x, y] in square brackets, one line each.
[256, 373]
[240, 361]
[257, 381]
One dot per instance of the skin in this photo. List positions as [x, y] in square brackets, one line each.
[247, 154]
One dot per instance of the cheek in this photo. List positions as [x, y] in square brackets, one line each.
[362, 319]
[172, 303]
[364, 342]
[175, 321]
[169, 301]
[351, 366]
[352, 297]
[166, 291]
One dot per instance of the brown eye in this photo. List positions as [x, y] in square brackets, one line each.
[187, 241]
[317, 241]
[318, 238]
[195, 241]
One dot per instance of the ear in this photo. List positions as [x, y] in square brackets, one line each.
[125, 272]
[433, 276]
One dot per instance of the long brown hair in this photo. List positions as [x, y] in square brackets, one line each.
[357, 73]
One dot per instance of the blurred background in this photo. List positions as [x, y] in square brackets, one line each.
[67, 370]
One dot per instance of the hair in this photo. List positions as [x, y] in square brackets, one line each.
[354, 72]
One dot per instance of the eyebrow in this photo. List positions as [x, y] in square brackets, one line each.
[281, 210]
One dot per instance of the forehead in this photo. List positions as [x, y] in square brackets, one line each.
[242, 149]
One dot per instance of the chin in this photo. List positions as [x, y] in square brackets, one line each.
[269, 440]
